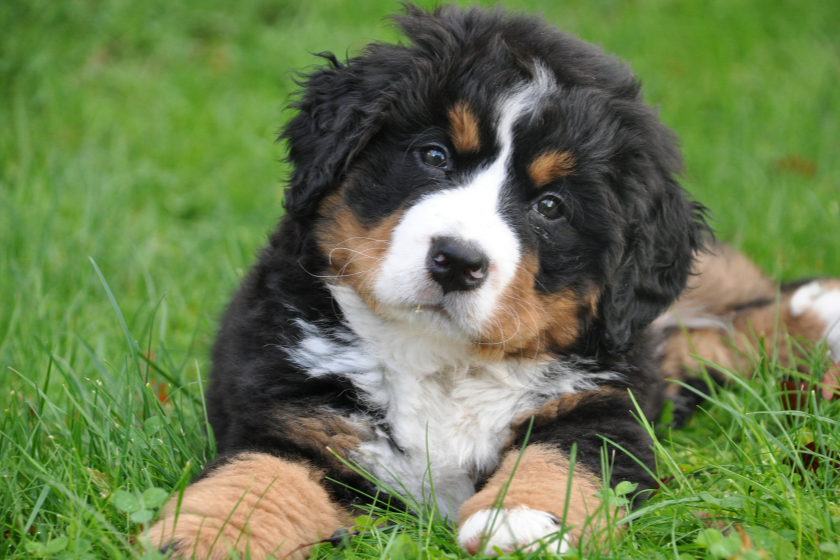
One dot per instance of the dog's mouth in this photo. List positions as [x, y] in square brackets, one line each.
[448, 315]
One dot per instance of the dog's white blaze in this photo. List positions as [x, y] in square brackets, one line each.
[469, 213]
[446, 411]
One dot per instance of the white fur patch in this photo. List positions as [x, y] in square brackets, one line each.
[448, 415]
[825, 302]
[512, 529]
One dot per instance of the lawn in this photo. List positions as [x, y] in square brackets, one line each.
[139, 175]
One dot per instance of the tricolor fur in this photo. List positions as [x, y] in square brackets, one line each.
[482, 227]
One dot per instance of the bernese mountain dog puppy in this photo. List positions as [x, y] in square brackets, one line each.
[483, 243]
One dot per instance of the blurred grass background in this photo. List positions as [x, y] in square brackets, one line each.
[141, 135]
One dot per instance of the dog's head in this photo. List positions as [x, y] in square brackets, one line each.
[500, 177]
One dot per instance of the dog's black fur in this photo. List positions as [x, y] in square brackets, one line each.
[629, 229]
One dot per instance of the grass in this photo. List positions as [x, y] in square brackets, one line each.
[138, 176]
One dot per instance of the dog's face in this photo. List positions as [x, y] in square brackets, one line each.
[496, 181]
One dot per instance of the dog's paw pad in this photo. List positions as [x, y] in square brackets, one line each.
[506, 530]
[823, 298]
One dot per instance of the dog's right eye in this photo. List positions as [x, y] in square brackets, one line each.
[434, 157]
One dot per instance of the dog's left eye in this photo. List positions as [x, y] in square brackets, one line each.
[434, 157]
[550, 206]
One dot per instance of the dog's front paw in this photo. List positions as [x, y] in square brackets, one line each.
[503, 530]
[252, 505]
[821, 298]
[193, 536]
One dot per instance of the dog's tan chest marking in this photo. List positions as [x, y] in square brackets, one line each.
[564, 404]
[323, 431]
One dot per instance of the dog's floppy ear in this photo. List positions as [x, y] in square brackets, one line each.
[340, 109]
[663, 230]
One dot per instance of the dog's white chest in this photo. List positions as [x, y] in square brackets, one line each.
[441, 417]
[446, 431]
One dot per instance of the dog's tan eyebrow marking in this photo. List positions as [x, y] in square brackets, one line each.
[464, 128]
[549, 166]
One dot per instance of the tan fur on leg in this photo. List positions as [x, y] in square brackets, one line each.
[257, 504]
[727, 311]
[539, 483]
[772, 323]
[723, 280]
[736, 348]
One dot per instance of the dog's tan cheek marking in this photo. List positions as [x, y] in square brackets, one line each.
[463, 128]
[518, 319]
[258, 505]
[564, 325]
[354, 251]
[526, 323]
[549, 166]
[540, 483]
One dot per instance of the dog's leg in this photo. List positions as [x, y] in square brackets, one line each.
[816, 306]
[533, 505]
[730, 309]
[253, 504]
[540, 501]
[809, 313]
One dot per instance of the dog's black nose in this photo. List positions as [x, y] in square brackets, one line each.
[456, 265]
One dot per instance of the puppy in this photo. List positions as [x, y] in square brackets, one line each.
[483, 238]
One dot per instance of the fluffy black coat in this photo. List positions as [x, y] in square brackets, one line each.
[629, 229]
